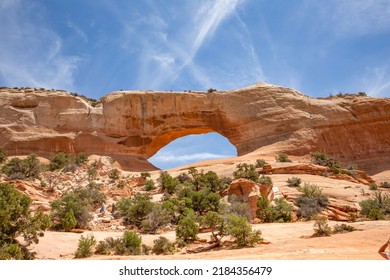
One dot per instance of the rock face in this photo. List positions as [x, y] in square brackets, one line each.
[131, 126]
[248, 191]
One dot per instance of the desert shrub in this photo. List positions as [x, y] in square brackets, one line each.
[103, 248]
[246, 171]
[373, 187]
[321, 227]
[121, 184]
[200, 201]
[187, 230]
[135, 209]
[260, 163]
[216, 223]
[18, 223]
[59, 161]
[85, 247]
[145, 175]
[343, 228]
[237, 207]
[311, 202]
[77, 203]
[294, 181]
[325, 160]
[69, 221]
[210, 90]
[207, 180]
[279, 212]
[3, 156]
[113, 174]
[377, 207]
[162, 246]
[239, 228]
[157, 218]
[132, 242]
[92, 172]
[80, 159]
[282, 157]
[265, 180]
[183, 177]
[149, 185]
[352, 166]
[22, 168]
[167, 182]
[385, 185]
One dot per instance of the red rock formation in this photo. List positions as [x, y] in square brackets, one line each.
[248, 191]
[131, 126]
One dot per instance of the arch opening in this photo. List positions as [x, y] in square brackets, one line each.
[193, 148]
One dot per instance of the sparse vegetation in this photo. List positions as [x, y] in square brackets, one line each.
[280, 211]
[167, 183]
[260, 163]
[239, 228]
[321, 227]
[325, 160]
[3, 156]
[246, 171]
[265, 180]
[17, 168]
[294, 182]
[149, 185]
[311, 202]
[114, 174]
[17, 222]
[64, 161]
[134, 210]
[282, 157]
[85, 247]
[162, 246]
[377, 207]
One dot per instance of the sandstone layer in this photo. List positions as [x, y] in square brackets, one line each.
[131, 126]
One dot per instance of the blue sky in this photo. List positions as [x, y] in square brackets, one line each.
[94, 47]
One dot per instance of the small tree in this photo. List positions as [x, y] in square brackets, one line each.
[240, 229]
[186, 230]
[167, 182]
[247, 171]
[134, 210]
[85, 247]
[216, 223]
[321, 227]
[17, 221]
[282, 157]
[162, 246]
[260, 163]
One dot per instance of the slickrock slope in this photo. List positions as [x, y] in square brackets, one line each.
[131, 126]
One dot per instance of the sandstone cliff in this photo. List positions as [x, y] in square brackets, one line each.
[131, 126]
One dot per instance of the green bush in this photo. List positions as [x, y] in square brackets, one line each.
[3, 156]
[85, 247]
[216, 223]
[134, 210]
[18, 223]
[240, 229]
[279, 212]
[113, 174]
[59, 161]
[311, 202]
[282, 157]
[246, 171]
[294, 182]
[149, 185]
[373, 187]
[343, 228]
[132, 242]
[323, 159]
[21, 169]
[321, 227]
[103, 248]
[260, 163]
[156, 219]
[377, 207]
[69, 221]
[206, 180]
[78, 201]
[265, 180]
[145, 175]
[167, 182]
[162, 246]
[200, 201]
[186, 230]
[92, 172]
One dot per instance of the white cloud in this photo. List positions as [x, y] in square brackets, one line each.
[30, 52]
[377, 81]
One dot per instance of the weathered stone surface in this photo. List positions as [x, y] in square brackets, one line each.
[248, 191]
[131, 126]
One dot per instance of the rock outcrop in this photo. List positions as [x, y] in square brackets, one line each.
[248, 191]
[131, 126]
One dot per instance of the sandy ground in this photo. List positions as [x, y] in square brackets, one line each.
[290, 241]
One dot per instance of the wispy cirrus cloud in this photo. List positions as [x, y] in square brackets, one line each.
[30, 52]
[377, 81]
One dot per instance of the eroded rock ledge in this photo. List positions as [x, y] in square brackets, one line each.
[131, 126]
